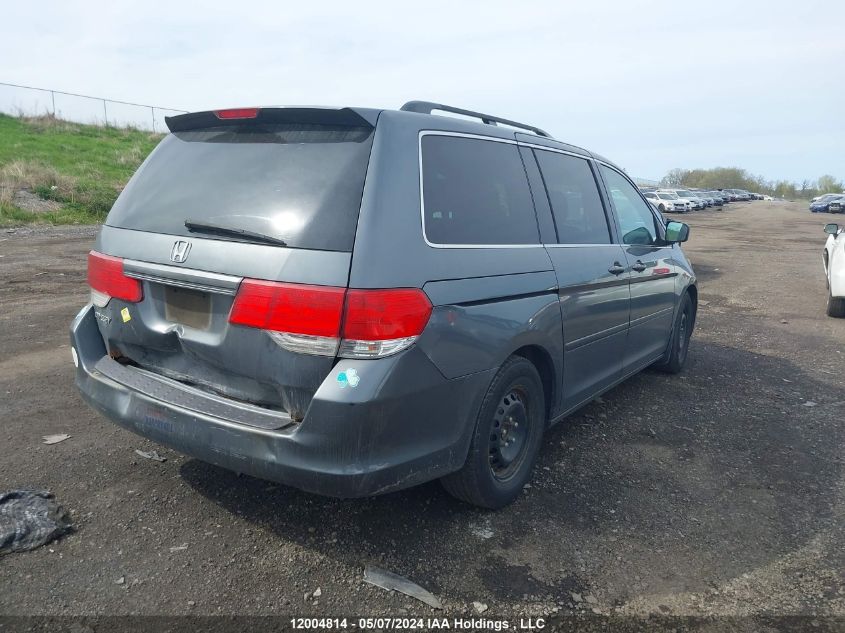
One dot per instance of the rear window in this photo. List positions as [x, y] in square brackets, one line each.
[475, 192]
[299, 183]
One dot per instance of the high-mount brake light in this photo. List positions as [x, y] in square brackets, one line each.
[107, 281]
[237, 113]
[329, 321]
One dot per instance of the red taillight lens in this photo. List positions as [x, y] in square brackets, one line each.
[237, 113]
[293, 308]
[307, 319]
[105, 275]
[377, 315]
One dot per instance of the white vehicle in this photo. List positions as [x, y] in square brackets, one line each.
[694, 198]
[685, 196]
[834, 269]
[667, 202]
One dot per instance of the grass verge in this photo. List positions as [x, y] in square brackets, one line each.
[81, 167]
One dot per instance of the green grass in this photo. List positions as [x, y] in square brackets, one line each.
[83, 167]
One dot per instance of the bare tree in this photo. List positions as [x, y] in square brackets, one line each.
[674, 178]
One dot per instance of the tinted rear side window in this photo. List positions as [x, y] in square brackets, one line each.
[300, 183]
[475, 192]
[574, 197]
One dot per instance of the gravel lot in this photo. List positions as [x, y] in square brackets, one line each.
[715, 492]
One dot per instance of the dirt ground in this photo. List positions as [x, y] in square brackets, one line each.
[716, 492]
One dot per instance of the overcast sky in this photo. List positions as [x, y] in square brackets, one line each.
[651, 85]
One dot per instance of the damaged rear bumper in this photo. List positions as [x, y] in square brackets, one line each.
[402, 424]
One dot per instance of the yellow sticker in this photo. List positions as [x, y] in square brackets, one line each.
[125, 314]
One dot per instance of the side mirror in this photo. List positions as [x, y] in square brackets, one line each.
[677, 232]
[832, 228]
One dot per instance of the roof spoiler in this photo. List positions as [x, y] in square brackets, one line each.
[426, 107]
[345, 117]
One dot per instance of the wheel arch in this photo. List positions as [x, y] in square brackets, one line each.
[542, 361]
[692, 291]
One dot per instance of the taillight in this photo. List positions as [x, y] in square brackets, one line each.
[294, 308]
[328, 321]
[107, 281]
[237, 113]
[382, 322]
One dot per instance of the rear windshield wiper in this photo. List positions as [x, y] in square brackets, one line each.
[251, 236]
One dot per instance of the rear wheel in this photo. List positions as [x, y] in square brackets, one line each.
[676, 356]
[507, 438]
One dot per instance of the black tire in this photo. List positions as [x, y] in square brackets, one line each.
[835, 305]
[494, 474]
[661, 208]
[676, 355]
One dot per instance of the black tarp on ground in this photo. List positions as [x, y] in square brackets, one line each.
[29, 519]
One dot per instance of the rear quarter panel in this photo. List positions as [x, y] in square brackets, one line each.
[488, 302]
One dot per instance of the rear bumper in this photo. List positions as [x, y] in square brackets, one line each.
[403, 424]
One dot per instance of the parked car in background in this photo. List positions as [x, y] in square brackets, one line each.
[707, 197]
[685, 194]
[716, 197]
[834, 269]
[828, 203]
[667, 202]
[701, 196]
[353, 301]
[738, 195]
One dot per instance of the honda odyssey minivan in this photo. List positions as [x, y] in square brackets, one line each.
[353, 301]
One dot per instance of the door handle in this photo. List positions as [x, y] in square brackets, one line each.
[639, 266]
[616, 269]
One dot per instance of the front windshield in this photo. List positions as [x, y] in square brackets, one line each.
[667, 196]
[684, 194]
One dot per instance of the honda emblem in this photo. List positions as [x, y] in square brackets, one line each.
[180, 251]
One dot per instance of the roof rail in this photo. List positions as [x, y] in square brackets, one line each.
[426, 107]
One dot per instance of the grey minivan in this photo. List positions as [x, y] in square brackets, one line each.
[353, 301]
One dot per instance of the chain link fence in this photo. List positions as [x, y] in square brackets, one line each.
[19, 100]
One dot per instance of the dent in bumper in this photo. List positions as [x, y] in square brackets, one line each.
[403, 424]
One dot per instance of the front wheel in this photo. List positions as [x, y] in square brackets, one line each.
[506, 440]
[835, 305]
[676, 356]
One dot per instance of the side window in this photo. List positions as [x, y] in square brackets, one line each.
[574, 197]
[475, 192]
[636, 221]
